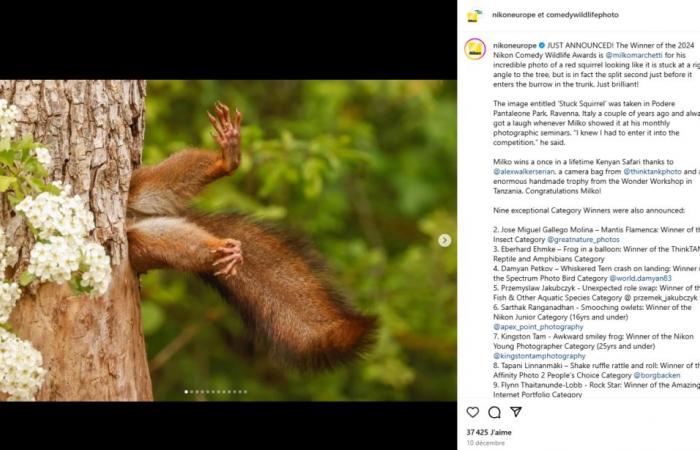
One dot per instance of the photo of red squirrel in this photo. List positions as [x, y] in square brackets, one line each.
[278, 283]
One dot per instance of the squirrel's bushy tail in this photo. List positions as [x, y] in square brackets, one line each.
[284, 295]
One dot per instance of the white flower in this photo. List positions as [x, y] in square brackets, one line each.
[8, 120]
[55, 260]
[21, 374]
[44, 157]
[98, 273]
[9, 294]
[62, 223]
[61, 214]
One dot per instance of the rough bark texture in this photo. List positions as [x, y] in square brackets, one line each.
[93, 349]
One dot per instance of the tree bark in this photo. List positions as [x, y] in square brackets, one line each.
[93, 349]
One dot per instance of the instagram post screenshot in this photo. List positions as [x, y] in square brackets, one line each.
[579, 220]
[236, 241]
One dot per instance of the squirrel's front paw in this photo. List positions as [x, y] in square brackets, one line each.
[231, 258]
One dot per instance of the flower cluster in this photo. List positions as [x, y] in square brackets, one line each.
[8, 118]
[97, 275]
[9, 292]
[21, 374]
[61, 214]
[62, 222]
[54, 260]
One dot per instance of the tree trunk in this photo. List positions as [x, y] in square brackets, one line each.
[93, 349]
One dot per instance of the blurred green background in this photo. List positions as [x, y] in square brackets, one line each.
[367, 170]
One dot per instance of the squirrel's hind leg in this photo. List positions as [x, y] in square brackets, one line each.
[175, 242]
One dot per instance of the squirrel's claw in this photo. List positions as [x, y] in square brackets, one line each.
[217, 126]
[229, 271]
[223, 111]
[235, 257]
[232, 258]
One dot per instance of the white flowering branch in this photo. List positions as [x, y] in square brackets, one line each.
[61, 224]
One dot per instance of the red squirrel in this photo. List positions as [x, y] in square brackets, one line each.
[278, 283]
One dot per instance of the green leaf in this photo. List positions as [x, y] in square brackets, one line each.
[25, 153]
[13, 200]
[76, 286]
[25, 278]
[32, 165]
[41, 171]
[52, 189]
[7, 157]
[17, 194]
[5, 144]
[26, 143]
[37, 184]
[5, 182]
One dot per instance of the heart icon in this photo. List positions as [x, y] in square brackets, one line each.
[472, 411]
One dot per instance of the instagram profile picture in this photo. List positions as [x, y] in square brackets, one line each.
[475, 49]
